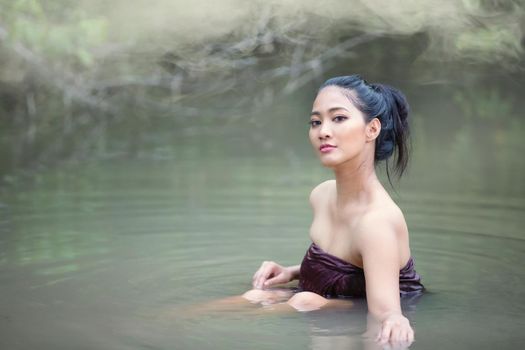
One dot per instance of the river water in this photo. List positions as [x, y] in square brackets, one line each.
[112, 253]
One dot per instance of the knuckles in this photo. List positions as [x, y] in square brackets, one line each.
[268, 264]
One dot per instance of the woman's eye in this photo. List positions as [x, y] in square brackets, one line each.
[314, 123]
[340, 118]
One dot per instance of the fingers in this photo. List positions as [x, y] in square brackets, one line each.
[384, 334]
[265, 271]
[257, 278]
[262, 278]
[395, 346]
[410, 336]
[395, 337]
[280, 278]
[257, 275]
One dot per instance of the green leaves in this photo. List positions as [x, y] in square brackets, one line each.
[63, 33]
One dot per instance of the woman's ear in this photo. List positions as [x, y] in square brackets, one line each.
[373, 128]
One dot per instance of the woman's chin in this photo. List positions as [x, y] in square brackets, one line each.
[329, 163]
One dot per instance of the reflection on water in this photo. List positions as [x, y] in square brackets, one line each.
[92, 255]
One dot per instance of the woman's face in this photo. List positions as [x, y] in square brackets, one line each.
[338, 131]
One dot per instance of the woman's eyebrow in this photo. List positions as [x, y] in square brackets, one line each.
[333, 109]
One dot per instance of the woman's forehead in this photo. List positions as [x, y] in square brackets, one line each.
[333, 96]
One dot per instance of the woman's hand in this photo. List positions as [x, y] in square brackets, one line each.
[271, 273]
[395, 329]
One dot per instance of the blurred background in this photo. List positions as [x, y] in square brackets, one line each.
[152, 153]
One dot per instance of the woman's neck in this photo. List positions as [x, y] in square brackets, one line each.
[355, 183]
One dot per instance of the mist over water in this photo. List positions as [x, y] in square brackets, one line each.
[470, 29]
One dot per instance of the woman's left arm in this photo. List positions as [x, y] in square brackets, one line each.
[379, 249]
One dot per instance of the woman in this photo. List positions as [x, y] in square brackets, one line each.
[360, 238]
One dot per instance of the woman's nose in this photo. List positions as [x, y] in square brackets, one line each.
[325, 131]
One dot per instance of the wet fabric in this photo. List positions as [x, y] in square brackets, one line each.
[332, 277]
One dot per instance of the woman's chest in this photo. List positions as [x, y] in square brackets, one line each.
[335, 235]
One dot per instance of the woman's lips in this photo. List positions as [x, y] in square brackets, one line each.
[326, 148]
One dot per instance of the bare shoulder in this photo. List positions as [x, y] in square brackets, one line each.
[322, 192]
[384, 223]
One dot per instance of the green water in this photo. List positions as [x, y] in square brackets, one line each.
[103, 254]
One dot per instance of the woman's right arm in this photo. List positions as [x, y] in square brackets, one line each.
[295, 270]
[271, 273]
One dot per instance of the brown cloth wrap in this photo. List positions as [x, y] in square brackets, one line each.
[332, 277]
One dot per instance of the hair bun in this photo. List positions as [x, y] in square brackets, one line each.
[397, 110]
[396, 97]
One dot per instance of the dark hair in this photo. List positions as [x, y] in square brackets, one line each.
[387, 104]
